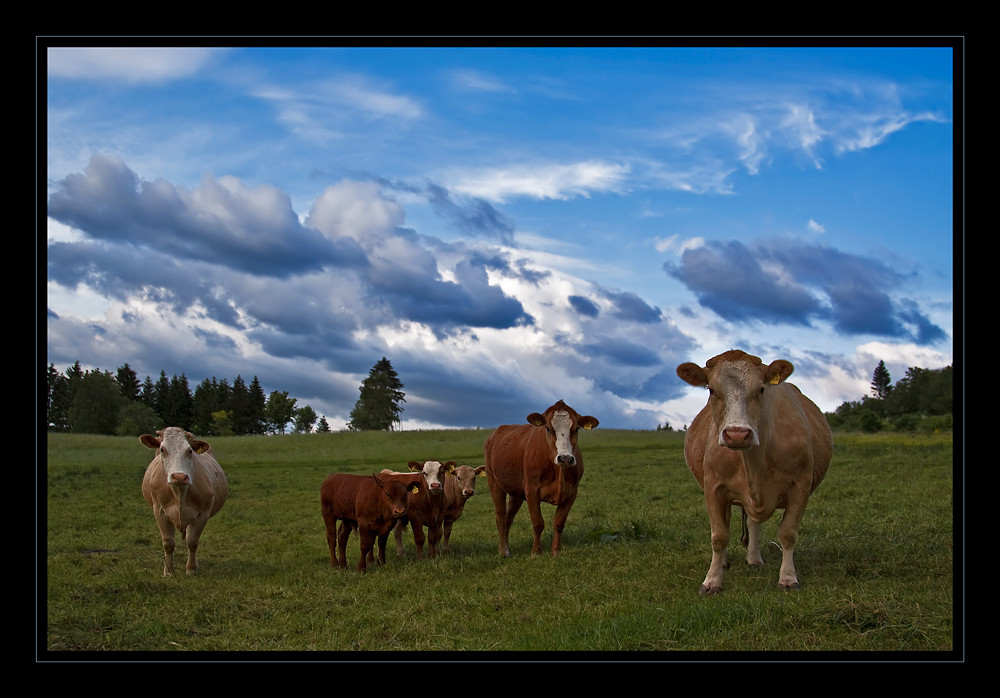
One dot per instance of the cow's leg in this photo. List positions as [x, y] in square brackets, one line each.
[500, 515]
[192, 537]
[537, 522]
[418, 537]
[446, 536]
[397, 532]
[367, 543]
[382, 538]
[753, 543]
[342, 536]
[513, 506]
[559, 523]
[719, 517]
[788, 533]
[433, 537]
[166, 539]
[331, 535]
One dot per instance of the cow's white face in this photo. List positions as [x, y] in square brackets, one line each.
[562, 430]
[434, 473]
[176, 449]
[737, 393]
[562, 424]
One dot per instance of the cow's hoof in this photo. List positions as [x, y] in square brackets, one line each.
[786, 585]
[709, 591]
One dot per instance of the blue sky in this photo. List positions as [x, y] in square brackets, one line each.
[509, 226]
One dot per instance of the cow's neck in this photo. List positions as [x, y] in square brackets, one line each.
[755, 466]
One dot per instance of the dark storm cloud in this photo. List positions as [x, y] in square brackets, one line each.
[475, 217]
[254, 230]
[468, 301]
[120, 272]
[622, 352]
[584, 306]
[631, 308]
[743, 284]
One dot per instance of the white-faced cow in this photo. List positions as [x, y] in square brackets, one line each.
[426, 507]
[759, 444]
[536, 462]
[371, 504]
[185, 487]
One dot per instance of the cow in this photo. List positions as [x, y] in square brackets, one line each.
[185, 487]
[369, 503]
[536, 462]
[458, 490]
[426, 509]
[759, 444]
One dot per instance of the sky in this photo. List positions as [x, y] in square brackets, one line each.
[508, 225]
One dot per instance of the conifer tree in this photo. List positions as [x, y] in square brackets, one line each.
[378, 405]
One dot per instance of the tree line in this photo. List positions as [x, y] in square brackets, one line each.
[101, 402]
[920, 401]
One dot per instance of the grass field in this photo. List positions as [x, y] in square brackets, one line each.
[875, 558]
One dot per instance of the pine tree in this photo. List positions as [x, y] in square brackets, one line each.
[881, 381]
[378, 406]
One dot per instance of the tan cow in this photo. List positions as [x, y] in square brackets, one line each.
[185, 487]
[536, 462]
[759, 444]
[458, 490]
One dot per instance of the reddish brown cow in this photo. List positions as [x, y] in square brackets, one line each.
[759, 444]
[458, 490]
[426, 508]
[185, 487]
[369, 503]
[536, 462]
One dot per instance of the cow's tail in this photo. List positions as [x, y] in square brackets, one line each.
[745, 536]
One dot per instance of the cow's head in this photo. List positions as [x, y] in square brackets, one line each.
[176, 449]
[434, 473]
[737, 385]
[466, 476]
[396, 492]
[561, 424]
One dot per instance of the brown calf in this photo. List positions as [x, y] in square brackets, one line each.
[369, 503]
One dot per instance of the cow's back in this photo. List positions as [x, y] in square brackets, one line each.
[510, 449]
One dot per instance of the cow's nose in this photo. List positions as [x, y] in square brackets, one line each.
[179, 479]
[566, 459]
[736, 435]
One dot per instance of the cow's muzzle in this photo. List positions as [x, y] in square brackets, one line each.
[738, 437]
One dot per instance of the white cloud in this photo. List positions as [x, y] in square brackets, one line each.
[544, 181]
[815, 227]
[677, 245]
[133, 65]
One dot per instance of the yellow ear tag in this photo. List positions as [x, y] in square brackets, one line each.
[776, 379]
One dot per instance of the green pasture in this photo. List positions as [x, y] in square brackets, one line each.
[875, 558]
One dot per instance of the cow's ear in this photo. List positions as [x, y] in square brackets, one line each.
[450, 466]
[536, 419]
[199, 446]
[481, 471]
[778, 371]
[149, 441]
[692, 373]
[589, 422]
[414, 466]
[414, 487]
